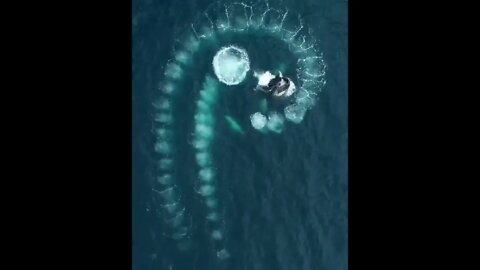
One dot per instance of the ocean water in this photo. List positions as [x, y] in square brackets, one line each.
[283, 196]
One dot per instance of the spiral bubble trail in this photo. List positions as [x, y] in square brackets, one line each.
[220, 20]
[166, 193]
[204, 132]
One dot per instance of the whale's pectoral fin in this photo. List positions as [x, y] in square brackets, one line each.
[234, 125]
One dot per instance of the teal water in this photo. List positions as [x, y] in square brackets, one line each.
[284, 196]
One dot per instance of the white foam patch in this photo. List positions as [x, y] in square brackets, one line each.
[203, 159]
[211, 203]
[264, 77]
[206, 174]
[164, 118]
[231, 65]
[275, 122]
[307, 101]
[182, 57]
[173, 71]
[165, 163]
[258, 120]
[162, 104]
[162, 133]
[207, 190]
[223, 254]
[203, 106]
[167, 88]
[162, 147]
[294, 113]
[208, 96]
[217, 235]
[192, 44]
[201, 144]
[204, 118]
[203, 131]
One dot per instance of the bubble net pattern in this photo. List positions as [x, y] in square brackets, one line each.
[221, 19]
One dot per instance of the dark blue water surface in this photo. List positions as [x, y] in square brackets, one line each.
[284, 196]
